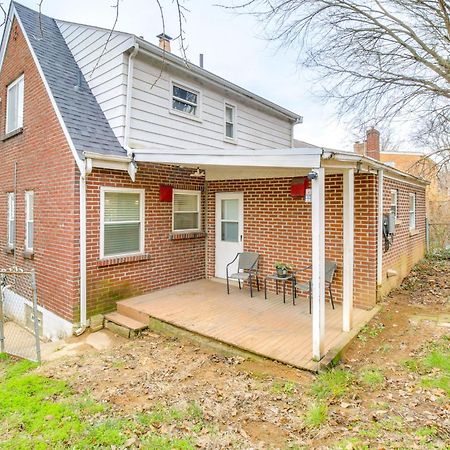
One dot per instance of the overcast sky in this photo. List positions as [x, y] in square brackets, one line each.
[233, 47]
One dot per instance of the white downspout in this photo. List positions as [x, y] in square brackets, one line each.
[380, 229]
[130, 75]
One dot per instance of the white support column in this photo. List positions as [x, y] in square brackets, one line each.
[318, 264]
[380, 229]
[349, 208]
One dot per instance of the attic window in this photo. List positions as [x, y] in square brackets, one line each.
[14, 105]
[185, 100]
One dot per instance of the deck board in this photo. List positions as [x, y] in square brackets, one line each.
[269, 327]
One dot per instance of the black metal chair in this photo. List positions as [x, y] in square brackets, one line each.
[330, 269]
[247, 269]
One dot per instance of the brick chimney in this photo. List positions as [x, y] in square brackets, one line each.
[373, 143]
[164, 41]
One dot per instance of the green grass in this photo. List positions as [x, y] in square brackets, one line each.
[316, 415]
[370, 331]
[371, 378]
[47, 413]
[433, 366]
[283, 387]
[332, 384]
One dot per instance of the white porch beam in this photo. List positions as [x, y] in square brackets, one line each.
[318, 264]
[349, 208]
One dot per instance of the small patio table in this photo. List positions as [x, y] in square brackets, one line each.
[284, 279]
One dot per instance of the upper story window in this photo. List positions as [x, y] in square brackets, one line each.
[11, 219]
[29, 220]
[412, 211]
[186, 211]
[230, 121]
[185, 100]
[14, 105]
[394, 202]
[122, 222]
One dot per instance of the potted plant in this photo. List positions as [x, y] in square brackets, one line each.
[282, 269]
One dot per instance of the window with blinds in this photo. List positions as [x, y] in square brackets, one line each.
[123, 220]
[412, 211]
[186, 211]
[14, 105]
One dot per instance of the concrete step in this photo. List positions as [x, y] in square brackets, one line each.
[124, 325]
[131, 311]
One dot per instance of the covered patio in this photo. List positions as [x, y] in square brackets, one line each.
[268, 328]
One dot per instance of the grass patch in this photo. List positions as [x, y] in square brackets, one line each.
[371, 377]
[370, 331]
[316, 415]
[283, 387]
[332, 384]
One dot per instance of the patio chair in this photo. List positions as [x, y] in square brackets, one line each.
[330, 269]
[247, 269]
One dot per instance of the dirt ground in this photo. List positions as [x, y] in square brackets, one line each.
[237, 403]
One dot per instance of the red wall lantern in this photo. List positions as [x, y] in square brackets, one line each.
[299, 186]
[165, 193]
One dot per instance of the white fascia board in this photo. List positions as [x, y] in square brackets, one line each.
[248, 160]
[6, 33]
[78, 161]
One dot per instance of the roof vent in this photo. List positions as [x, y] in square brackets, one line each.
[164, 41]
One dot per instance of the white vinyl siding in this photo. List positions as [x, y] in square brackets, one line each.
[186, 211]
[14, 105]
[11, 219]
[185, 100]
[122, 222]
[394, 202]
[29, 221]
[230, 122]
[412, 211]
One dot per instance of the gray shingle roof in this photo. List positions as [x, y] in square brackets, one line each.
[82, 115]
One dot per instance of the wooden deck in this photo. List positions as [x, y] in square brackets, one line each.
[269, 328]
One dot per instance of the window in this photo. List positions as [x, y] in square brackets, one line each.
[11, 219]
[394, 195]
[122, 222]
[412, 211]
[230, 121]
[185, 100]
[186, 211]
[29, 220]
[14, 105]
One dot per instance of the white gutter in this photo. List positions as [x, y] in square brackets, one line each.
[130, 75]
[114, 162]
[83, 309]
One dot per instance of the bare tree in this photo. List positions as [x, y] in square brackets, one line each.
[378, 59]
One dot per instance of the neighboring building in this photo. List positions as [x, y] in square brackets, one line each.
[124, 171]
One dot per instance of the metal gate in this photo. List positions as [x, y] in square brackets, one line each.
[20, 318]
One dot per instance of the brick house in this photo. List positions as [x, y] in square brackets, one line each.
[119, 165]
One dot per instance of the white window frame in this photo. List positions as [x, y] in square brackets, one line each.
[198, 112]
[29, 196]
[20, 107]
[412, 212]
[141, 192]
[11, 217]
[394, 192]
[234, 123]
[199, 211]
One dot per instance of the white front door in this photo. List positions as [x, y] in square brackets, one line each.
[229, 230]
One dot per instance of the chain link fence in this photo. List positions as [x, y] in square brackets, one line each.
[20, 320]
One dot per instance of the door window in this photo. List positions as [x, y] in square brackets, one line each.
[230, 220]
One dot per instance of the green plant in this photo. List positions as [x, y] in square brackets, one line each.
[371, 377]
[316, 415]
[286, 387]
[332, 384]
[282, 266]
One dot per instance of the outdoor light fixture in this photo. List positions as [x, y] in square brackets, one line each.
[312, 175]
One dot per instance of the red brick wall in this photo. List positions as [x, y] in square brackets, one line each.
[167, 261]
[45, 165]
[407, 247]
[279, 228]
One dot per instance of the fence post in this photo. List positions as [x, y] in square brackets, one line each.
[35, 314]
[2, 317]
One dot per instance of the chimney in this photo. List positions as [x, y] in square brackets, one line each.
[360, 148]
[373, 143]
[164, 41]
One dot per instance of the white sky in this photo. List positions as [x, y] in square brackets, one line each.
[233, 47]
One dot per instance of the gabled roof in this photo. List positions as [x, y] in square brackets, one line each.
[86, 123]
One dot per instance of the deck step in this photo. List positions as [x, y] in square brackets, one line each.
[124, 325]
